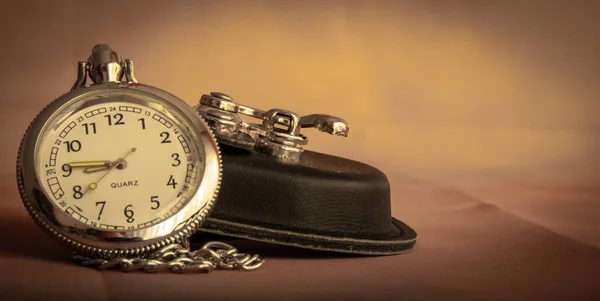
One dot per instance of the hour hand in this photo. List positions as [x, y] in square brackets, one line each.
[91, 166]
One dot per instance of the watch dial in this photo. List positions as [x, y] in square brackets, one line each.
[119, 164]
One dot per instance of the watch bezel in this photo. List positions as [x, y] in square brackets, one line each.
[89, 240]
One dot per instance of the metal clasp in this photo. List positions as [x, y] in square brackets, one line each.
[103, 66]
[277, 134]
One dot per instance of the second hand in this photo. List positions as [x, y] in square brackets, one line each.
[120, 161]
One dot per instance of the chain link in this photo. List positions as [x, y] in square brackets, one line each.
[178, 258]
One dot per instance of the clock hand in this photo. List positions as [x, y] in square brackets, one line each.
[88, 163]
[120, 161]
[99, 168]
[108, 164]
[93, 166]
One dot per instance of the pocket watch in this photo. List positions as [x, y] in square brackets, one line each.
[123, 173]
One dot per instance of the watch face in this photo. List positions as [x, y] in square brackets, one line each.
[118, 164]
[127, 162]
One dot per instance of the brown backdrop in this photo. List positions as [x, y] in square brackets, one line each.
[496, 99]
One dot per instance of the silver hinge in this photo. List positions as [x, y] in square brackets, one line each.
[277, 134]
[103, 66]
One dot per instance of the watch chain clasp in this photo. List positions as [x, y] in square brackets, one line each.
[104, 65]
[277, 134]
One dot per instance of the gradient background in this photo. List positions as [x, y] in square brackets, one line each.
[496, 99]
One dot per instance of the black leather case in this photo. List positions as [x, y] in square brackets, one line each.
[321, 202]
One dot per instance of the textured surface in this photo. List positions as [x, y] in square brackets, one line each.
[340, 200]
[316, 198]
[467, 250]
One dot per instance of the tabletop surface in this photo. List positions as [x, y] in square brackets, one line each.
[467, 249]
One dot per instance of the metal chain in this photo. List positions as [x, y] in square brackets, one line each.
[178, 258]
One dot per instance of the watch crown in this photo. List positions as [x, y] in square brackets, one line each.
[101, 47]
[103, 66]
